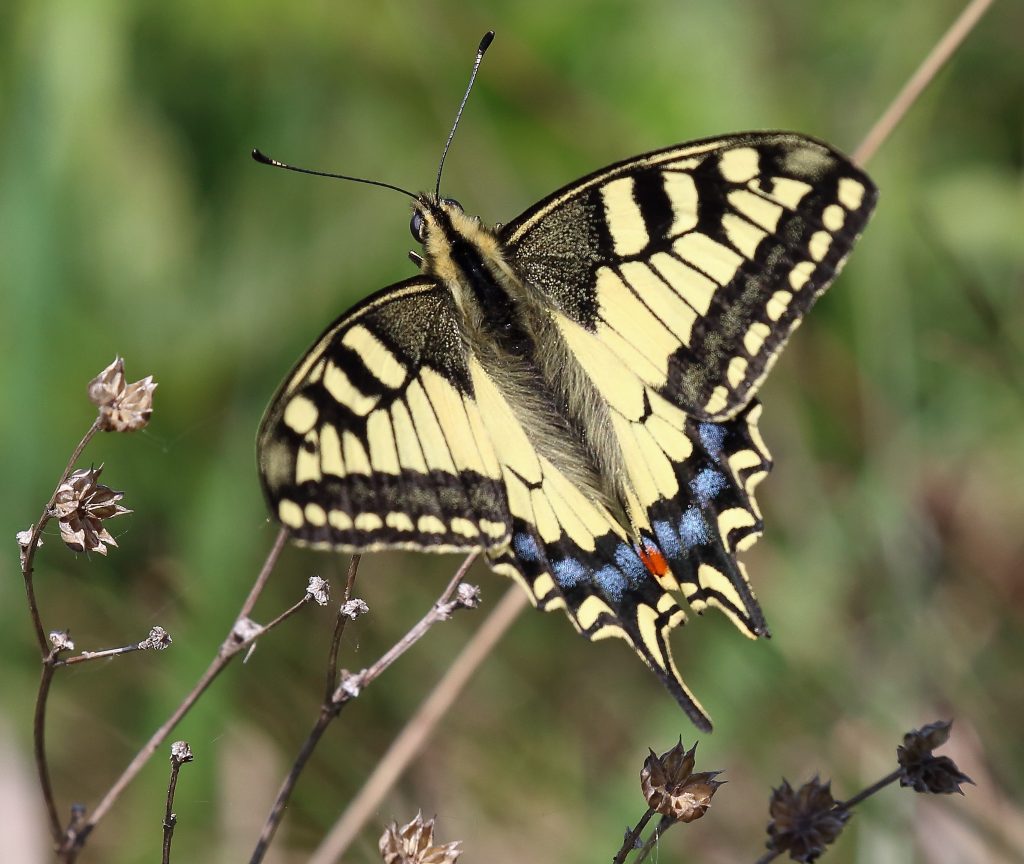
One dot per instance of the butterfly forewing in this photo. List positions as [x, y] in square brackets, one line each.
[693, 264]
[375, 440]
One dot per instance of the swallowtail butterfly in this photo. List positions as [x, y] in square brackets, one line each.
[574, 392]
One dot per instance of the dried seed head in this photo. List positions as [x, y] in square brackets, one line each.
[671, 788]
[81, 505]
[804, 821]
[123, 407]
[157, 640]
[924, 771]
[181, 752]
[24, 538]
[353, 608]
[413, 843]
[319, 590]
[61, 640]
[467, 595]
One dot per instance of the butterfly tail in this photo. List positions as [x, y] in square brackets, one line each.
[695, 545]
[605, 592]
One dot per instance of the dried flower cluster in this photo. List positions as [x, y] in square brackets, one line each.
[353, 608]
[81, 505]
[672, 789]
[319, 590]
[413, 843]
[924, 771]
[157, 640]
[123, 407]
[805, 820]
[181, 752]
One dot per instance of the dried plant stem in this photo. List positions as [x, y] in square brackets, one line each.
[37, 529]
[663, 825]
[922, 77]
[170, 820]
[331, 678]
[871, 790]
[437, 613]
[419, 728]
[341, 695]
[231, 646]
[39, 747]
[48, 654]
[632, 837]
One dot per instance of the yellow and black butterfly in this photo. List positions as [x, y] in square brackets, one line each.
[573, 392]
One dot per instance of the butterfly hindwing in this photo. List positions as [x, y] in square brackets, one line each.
[375, 439]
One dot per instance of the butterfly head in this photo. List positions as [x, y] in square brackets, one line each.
[424, 216]
[442, 228]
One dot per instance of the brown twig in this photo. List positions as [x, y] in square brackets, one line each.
[39, 748]
[243, 633]
[343, 693]
[922, 77]
[28, 559]
[48, 653]
[344, 616]
[180, 754]
[663, 825]
[632, 837]
[419, 727]
[871, 790]
[158, 640]
[352, 685]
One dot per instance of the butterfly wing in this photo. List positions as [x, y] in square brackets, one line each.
[675, 279]
[692, 265]
[375, 440]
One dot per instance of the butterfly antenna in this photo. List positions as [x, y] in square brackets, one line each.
[264, 159]
[485, 43]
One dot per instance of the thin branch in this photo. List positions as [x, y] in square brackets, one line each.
[238, 639]
[264, 574]
[158, 640]
[39, 748]
[339, 628]
[871, 790]
[418, 729]
[343, 694]
[180, 754]
[922, 77]
[632, 837]
[442, 609]
[28, 559]
[663, 825]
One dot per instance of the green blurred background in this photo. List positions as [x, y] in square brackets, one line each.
[132, 221]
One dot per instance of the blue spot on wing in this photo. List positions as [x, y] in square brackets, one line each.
[611, 581]
[668, 539]
[630, 565]
[712, 436]
[526, 548]
[707, 484]
[568, 572]
[692, 528]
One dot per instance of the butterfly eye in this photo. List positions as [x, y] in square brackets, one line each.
[418, 227]
[451, 202]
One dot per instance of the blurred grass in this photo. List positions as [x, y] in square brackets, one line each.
[133, 222]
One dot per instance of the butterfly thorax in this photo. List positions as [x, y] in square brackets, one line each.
[507, 327]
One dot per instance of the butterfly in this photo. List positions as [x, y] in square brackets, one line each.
[573, 392]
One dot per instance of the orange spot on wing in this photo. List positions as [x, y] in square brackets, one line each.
[653, 560]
